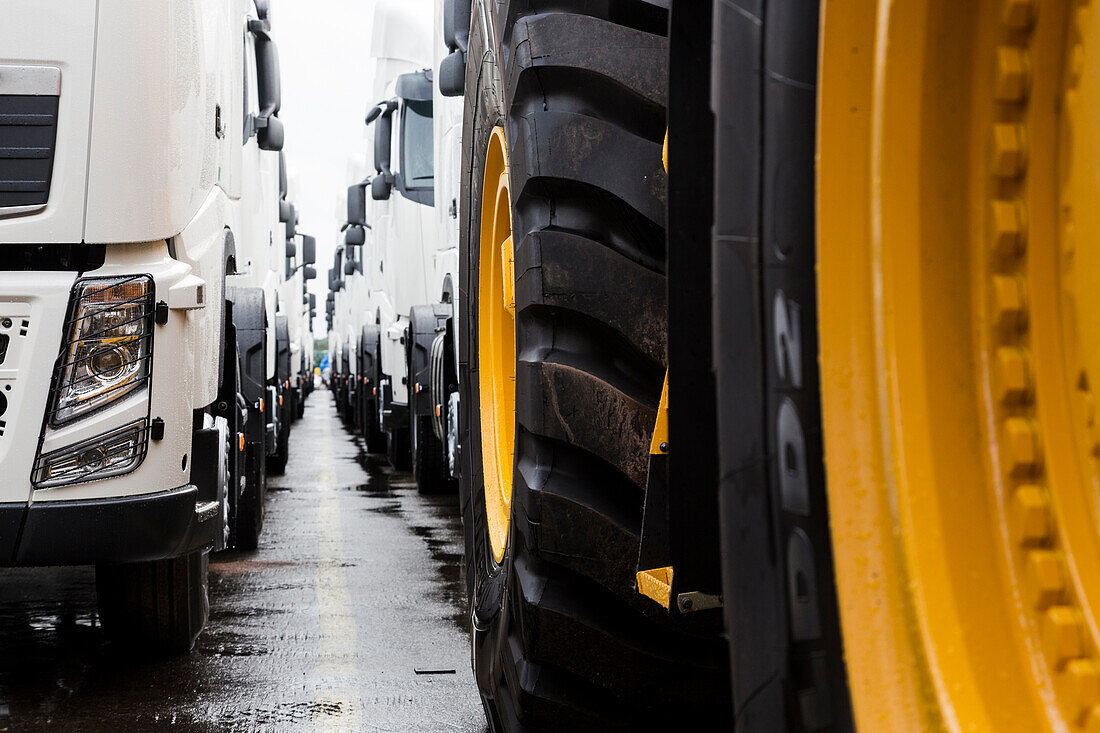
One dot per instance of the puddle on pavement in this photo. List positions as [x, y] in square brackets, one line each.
[59, 671]
[444, 541]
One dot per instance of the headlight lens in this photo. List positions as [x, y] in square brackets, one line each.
[108, 345]
[111, 454]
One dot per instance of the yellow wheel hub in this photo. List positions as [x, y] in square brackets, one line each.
[959, 292]
[496, 331]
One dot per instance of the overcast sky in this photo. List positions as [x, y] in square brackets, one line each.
[324, 52]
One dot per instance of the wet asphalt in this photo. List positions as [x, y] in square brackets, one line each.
[348, 617]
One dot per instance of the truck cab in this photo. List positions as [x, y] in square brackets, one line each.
[393, 218]
[141, 189]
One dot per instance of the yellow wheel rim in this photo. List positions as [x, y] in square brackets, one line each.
[496, 330]
[959, 295]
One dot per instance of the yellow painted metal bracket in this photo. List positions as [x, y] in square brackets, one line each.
[656, 584]
[658, 445]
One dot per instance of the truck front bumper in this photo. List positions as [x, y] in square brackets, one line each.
[117, 529]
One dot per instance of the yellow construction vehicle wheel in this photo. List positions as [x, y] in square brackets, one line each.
[959, 318]
[562, 358]
[496, 314]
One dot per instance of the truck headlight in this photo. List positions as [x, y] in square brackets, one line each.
[107, 347]
[116, 452]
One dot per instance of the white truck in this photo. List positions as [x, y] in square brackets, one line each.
[294, 368]
[138, 211]
[400, 357]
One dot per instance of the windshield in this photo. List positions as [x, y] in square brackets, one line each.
[418, 160]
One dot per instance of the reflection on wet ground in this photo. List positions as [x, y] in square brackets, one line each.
[349, 617]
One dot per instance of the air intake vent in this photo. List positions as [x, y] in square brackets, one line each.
[28, 131]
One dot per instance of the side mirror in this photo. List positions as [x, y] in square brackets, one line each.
[331, 280]
[452, 74]
[388, 106]
[270, 137]
[456, 24]
[357, 204]
[284, 208]
[282, 175]
[383, 140]
[309, 249]
[312, 301]
[291, 249]
[291, 221]
[349, 267]
[269, 129]
[380, 187]
[309, 273]
[356, 235]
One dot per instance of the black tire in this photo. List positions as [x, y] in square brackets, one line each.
[561, 638]
[786, 653]
[276, 464]
[248, 523]
[373, 435]
[398, 451]
[429, 462]
[161, 605]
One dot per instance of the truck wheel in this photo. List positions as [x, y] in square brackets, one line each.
[249, 520]
[161, 603]
[562, 363]
[429, 462]
[276, 464]
[373, 435]
[398, 451]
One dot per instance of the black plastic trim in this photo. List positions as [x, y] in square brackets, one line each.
[119, 529]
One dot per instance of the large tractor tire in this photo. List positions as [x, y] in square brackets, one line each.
[161, 605]
[779, 591]
[562, 264]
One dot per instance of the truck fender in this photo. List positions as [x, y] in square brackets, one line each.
[250, 323]
[425, 323]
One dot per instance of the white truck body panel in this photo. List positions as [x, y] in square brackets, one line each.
[151, 164]
[60, 35]
[447, 128]
[162, 187]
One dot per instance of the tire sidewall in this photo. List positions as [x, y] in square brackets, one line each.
[486, 580]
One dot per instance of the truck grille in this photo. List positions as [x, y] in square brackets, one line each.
[28, 132]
